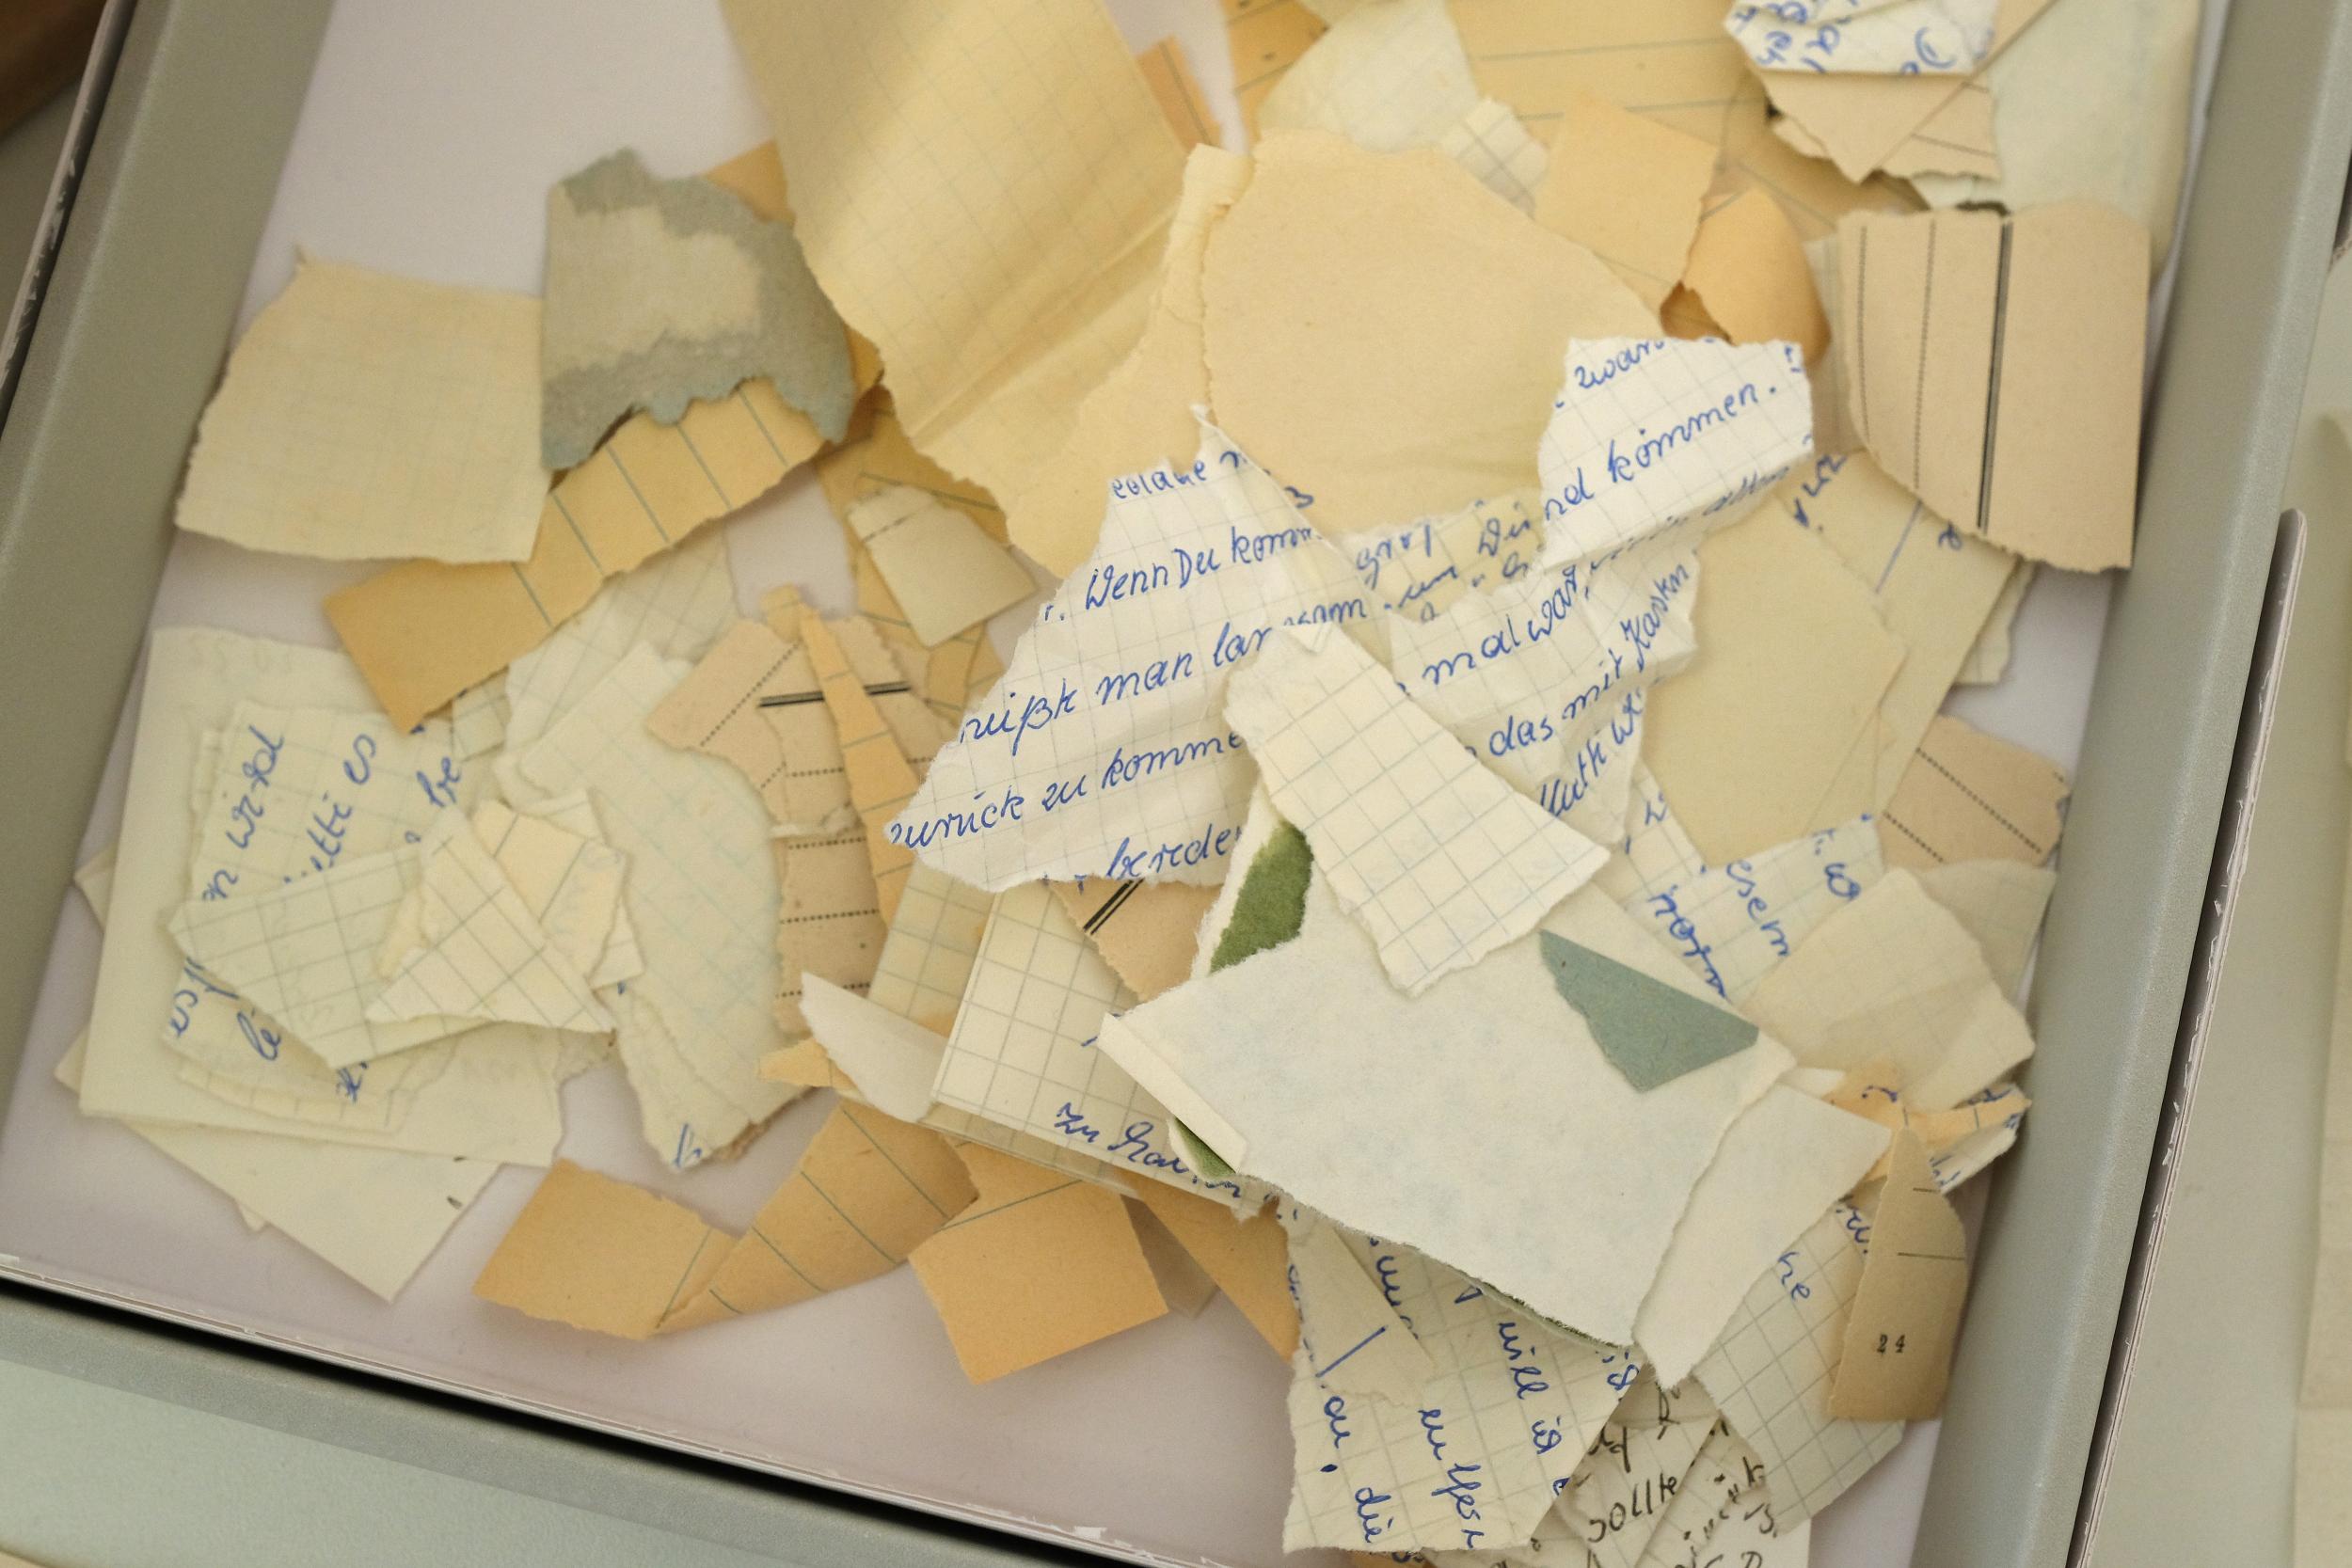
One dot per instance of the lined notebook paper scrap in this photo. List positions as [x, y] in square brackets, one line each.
[365, 416]
[1968, 795]
[1103, 751]
[1436, 858]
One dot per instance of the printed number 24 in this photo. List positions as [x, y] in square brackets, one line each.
[1895, 1344]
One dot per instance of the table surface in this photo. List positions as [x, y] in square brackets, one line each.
[430, 136]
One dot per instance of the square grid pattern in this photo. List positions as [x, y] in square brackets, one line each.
[1770, 1373]
[484, 955]
[934, 942]
[1436, 857]
[1387, 77]
[1648, 1448]
[1496, 148]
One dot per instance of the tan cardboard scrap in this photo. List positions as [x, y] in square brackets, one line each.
[1748, 269]
[1625, 188]
[1265, 36]
[601, 1255]
[1249, 1258]
[883, 456]
[881, 780]
[1386, 337]
[1873, 1092]
[1967, 796]
[945, 575]
[1147, 932]
[1040, 1264]
[1996, 370]
[1898, 1352]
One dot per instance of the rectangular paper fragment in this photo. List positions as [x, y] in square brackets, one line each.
[944, 572]
[1146, 932]
[1970, 796]
[1249, 1258]
[1898, 1353]
[1625, 188]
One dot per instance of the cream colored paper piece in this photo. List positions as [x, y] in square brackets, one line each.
[1103, 751]
[1437, 858]
[1988, 656]
[1628, 189]
[948, 678]
[2001, 903]
[1898, 1353]
[1491, 143]
[1748, 267]
[1169, 77]
[1886, 38]
[927, 953]
[1751, 742]
[1406, 389]
[1996, 370]
[879, 457]
[1389, 75]
[1357, 1342]
[1474, 1457]
[881, 780]
[2323, 1510]
[1182, 1283]
[2091, 102]
[1970, 795]
[1039, 234]
[477, 718]
[1894, 975]
[1024, 1067]
[1624, 1486]
[891, 1059]
[422, 632]
[1142, 415]
[1039, 1265]
[678, 604]
[569, 880]
[365, 416]
[1422, 570]
[95, 876]
[1783, 1161]
[1932, 585]
[662, 291]
[1248, 1257]
[1730, 925]
[941, 568]
[482, 954]
[1721, 1499]
[1770, 1373]
[1531, 1105]
[702, 897]
[754, 701]
[306, 953]
[1266, 39]
[1951, 1138]
[1146, 932]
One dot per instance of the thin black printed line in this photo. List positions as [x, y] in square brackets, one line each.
[794, 699]
[1993, 382]
[1111, 906]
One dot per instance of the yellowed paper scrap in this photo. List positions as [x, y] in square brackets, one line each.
[1628, 189]
[1968, 795]
[1147, 932]
[1898, 1341]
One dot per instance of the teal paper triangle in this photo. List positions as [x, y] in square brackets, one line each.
[1653, 1031]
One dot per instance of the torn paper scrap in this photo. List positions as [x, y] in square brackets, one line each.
[1436, 858]
[1389, 75]
[881, 779]
[1530, 1106]
[1354, 1342]
[2001, 903]
[701, 895]
[1996, 370]
[1625, 188]
[1988, 656]
[1177, 91]
[1898, 1350]
[927, 953]
[477, 718]
[1621, 1491]
[1894, 975]
[1422, 569]
[422, 632]
[1874, 1093]
[1410, 387]
[1264, 41]
[893, 1060]
[1440, 1470]
[1146, 932]
[1890, 38]
[944, 572]
[1040, 1263]
[1654, 1033]
[1491, 143]
[1970, 795]
[1770, 1373]
[1103, 751]
[601, 1255]
[1248, 1257]
[569, 880]
[1723, 1486]
[663, 291]
[1748, 267]
[1649, 435]
[754, 702]
[1041, 233]
[1751, 742]
[365, 416]
[876, 455]
[1785, 1161]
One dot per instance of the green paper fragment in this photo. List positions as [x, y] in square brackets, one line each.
[1272, 904]
[1653, 1031]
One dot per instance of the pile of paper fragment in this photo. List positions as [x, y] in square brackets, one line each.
[1467, 859]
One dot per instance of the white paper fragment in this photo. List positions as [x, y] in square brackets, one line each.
[891, 1059]
[1883, 37]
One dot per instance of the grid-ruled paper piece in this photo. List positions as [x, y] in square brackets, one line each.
[1894, 975]
[1770, 1373]
[1422, 569]
[1657, 434]
[753, 703]
[1781, 1163]
[1357, 1344]
[1731, 924]
[1023, 1058]
[1388, 76]
[1491, 142]
[483, 955]
[305, 952]
[927, 953]
[1476, 1454]
[1437, 858]
[1723, 1483]
[982, 194]
[678, 603]
[944, 573]
[1616, 1499]
[477, 718]
[1103, 751]
[1486, 1094]
[365, 416]
[422, 632]
[1879, 38]
[2001, 903]
[495, 1104]
[701, 895]
[569, 880]
[882, 780]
